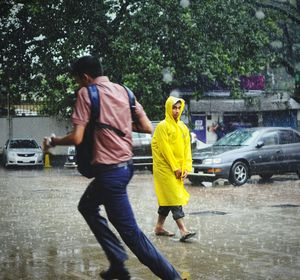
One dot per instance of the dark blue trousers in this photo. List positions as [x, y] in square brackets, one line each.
[109, 189]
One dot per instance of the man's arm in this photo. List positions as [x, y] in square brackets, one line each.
[74, 138]
[143, 125]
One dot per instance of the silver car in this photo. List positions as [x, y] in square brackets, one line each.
[141, 147]
[22, 152]
[262, 151]
[71, 158]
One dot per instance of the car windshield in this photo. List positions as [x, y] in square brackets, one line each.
[23, 144]
[71, 151]
[237, 138]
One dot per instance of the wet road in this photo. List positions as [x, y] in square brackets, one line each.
[250, 232]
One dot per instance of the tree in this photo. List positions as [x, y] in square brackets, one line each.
[286, 43]
[200, 45]
[151, 46]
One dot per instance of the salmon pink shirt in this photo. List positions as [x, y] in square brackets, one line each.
[109, 148]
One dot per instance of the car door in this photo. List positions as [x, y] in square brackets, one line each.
[269, 156]
[290, 144]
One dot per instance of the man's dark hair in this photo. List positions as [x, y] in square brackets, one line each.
[89, 65]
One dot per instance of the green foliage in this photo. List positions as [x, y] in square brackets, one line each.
[285, 44]
[195, 47]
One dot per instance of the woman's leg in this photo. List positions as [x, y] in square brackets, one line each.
[163, 212]
[178, 215]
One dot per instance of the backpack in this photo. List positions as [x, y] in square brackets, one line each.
[84, 151]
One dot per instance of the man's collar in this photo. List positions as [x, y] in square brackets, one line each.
[101, 79]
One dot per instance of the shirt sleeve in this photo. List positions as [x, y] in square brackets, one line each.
[82, 109]
[139, 110]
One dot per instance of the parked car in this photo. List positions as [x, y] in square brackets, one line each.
[22, 152]
[141, 147]
[71, 158]
[246, 152]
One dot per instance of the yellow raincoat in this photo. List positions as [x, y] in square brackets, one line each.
[171, 150]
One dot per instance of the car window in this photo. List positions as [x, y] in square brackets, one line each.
[23, 144]
[296, 137]
[286, 137]
[71, 151]
[237, 138]
[270, 138]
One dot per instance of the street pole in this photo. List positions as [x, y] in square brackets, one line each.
[9, 116]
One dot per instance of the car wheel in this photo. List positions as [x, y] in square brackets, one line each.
[195, 180]
[266, 176]
[239, 174]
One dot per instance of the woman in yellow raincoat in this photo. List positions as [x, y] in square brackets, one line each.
[172, 160]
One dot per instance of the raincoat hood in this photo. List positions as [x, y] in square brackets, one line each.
[169, 105]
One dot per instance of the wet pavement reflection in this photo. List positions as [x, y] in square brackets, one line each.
[249, 232]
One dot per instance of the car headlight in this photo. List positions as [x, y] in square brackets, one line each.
[11, 155]
[39, 155]
[212, 160]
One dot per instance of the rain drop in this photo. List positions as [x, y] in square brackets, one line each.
[184, 3]
[260, 14]
[167, 75]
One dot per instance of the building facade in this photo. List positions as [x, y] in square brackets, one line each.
[255, 109]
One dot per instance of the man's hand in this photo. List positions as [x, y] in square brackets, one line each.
[48, 142]
[178, 173]
[184, 175]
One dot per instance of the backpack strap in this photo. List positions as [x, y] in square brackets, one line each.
[94, 95]
[108, 126]
[131, 98]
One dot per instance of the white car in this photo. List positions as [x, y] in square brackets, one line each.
[22, 152]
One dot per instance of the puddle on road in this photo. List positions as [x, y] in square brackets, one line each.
[208, 213]
[285, 205]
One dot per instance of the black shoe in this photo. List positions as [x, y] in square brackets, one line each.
[121, 274]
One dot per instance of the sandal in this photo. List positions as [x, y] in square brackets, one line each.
[187, 236]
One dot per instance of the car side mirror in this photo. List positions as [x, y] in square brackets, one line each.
[260, 144]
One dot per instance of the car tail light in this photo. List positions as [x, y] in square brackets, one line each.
[214, 170]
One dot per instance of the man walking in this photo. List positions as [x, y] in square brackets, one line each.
[172, 160]
[113, 166]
